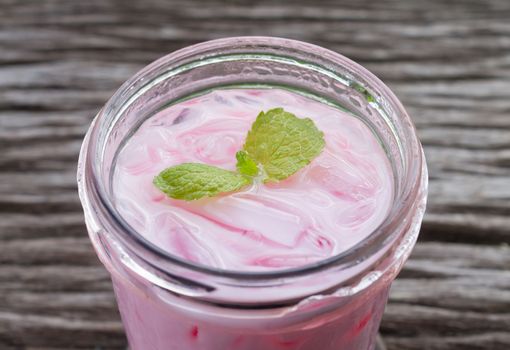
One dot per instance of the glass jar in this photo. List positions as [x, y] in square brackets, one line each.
[170, 303]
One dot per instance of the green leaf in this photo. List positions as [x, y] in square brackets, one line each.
[246, 165]
[278, 145]
[190, 181]
[283, 143]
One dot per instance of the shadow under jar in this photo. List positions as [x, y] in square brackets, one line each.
[167, 302]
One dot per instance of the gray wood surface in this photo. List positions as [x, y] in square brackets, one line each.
[448, 61]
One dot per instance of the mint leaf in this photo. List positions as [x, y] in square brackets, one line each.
[190, 181]
[283, 143]
[278, 145]
[246, 165]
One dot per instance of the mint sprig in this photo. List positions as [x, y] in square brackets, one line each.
[277, 146]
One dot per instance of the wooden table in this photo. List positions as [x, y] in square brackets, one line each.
[450, 64]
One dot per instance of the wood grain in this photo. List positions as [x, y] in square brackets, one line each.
[449, 62]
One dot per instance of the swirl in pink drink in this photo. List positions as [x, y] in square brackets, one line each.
[321, 211]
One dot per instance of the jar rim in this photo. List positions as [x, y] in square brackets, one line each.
[401, 208]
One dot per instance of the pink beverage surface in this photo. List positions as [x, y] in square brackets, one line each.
[322, 210]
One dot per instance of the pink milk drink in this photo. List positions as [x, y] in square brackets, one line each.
[304, 262]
